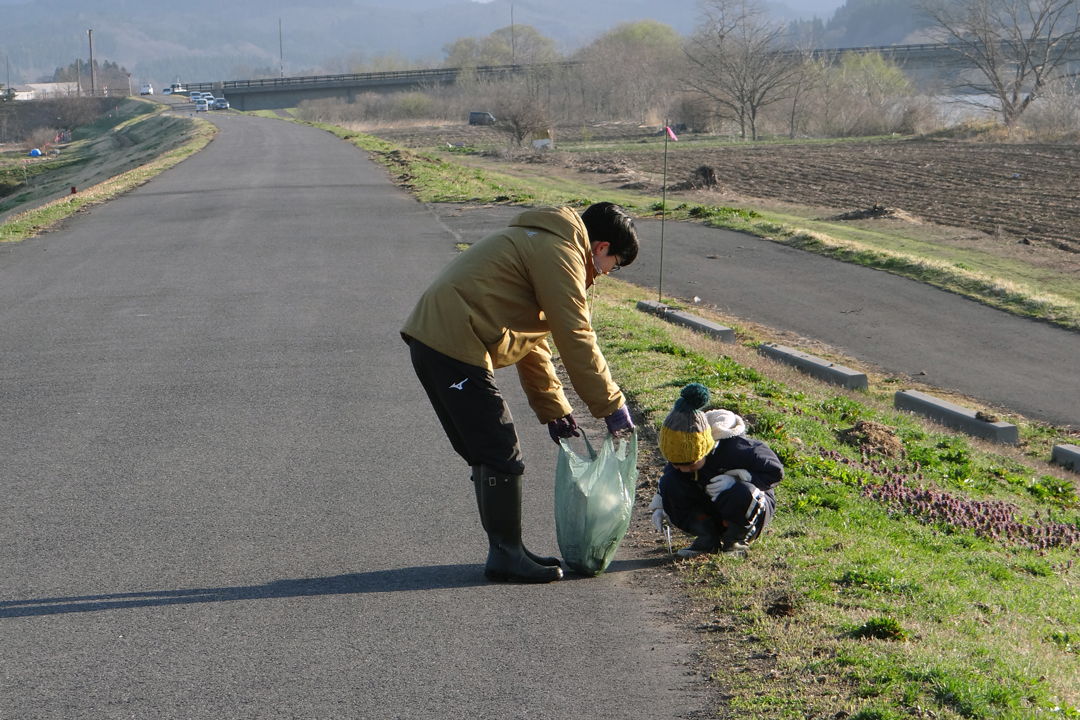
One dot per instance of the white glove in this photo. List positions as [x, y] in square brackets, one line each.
[720, 483]
[743, 475]
[659, 516]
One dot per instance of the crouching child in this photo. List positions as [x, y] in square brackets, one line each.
[718, 484]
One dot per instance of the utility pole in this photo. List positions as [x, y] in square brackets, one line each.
[281, 47]
[93, 88]
[513, 48]
[78, 77]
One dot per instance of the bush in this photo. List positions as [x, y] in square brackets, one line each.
[40, 137]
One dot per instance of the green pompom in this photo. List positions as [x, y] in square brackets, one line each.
[696, 395]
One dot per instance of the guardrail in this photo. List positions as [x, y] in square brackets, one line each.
[372, 78]
[916, 49]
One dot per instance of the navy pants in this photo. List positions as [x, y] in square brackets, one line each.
[471, 409]
[741, 512]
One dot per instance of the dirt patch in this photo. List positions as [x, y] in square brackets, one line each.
[873, 438]
[877, 212]
[703, 177]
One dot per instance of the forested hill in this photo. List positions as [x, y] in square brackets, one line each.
[207, 39]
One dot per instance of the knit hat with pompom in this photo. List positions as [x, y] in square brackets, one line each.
[685, 436]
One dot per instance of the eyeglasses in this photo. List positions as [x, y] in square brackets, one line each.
[617, 266]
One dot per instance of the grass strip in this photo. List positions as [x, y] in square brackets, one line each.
[1006, 295]
[926, 576]
[33, 222]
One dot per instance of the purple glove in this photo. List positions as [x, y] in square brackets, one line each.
[619, 422]
[564, 427]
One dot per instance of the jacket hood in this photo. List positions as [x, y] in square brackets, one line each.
[564, 222]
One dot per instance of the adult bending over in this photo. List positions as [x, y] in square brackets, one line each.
[493, 306]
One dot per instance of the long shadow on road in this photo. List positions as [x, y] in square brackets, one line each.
[429, 577]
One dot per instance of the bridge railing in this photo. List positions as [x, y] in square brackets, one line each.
[912, 49]
[372, 78]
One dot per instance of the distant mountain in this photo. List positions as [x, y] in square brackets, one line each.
[205, 40]
[872, 22]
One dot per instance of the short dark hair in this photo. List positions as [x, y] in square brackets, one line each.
[607, 222]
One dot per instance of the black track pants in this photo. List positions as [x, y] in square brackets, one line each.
[471, 409]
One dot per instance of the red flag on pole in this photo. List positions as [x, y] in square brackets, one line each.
[672, 134]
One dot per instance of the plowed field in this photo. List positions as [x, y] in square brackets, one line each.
[1027, 191]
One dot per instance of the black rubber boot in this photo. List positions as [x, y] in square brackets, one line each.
[736, 539]
[500, 503]
[708, 538]
[547, 561]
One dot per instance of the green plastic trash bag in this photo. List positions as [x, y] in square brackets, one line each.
[594, 497]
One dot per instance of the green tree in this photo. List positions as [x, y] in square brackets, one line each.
[859, 94]
[521, 44]
[632, 70]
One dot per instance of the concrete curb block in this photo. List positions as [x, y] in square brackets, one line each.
[953, 415]
[816, 367]
[693, 322]
[1068, 456]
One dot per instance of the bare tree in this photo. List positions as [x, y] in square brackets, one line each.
[520, 114]
[1017, 46]
[804, 80]
[735, 61]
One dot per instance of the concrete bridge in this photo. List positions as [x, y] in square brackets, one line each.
[278, 93]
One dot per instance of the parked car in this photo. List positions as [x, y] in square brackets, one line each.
[209, 99]
[481, 118]
[167, 91]
[201, 106]
[147, 89]
[221, 104]
[195, 95]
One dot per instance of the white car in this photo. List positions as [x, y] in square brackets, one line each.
[201, 106]
[147, 89]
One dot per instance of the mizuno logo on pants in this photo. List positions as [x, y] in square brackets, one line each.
[457, 386]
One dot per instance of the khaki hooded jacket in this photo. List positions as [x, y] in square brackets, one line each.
[495, 303]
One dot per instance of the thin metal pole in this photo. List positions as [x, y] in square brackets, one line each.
[93, 86]
[513, 46]
[281, 47]
[663, 217]
[78, 77]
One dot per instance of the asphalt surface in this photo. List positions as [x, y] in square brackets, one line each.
[225, 495]
[900, 325]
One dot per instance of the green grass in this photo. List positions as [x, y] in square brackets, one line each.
[887, 611]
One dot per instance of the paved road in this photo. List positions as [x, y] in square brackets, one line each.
[900, 325]
[225, 496]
